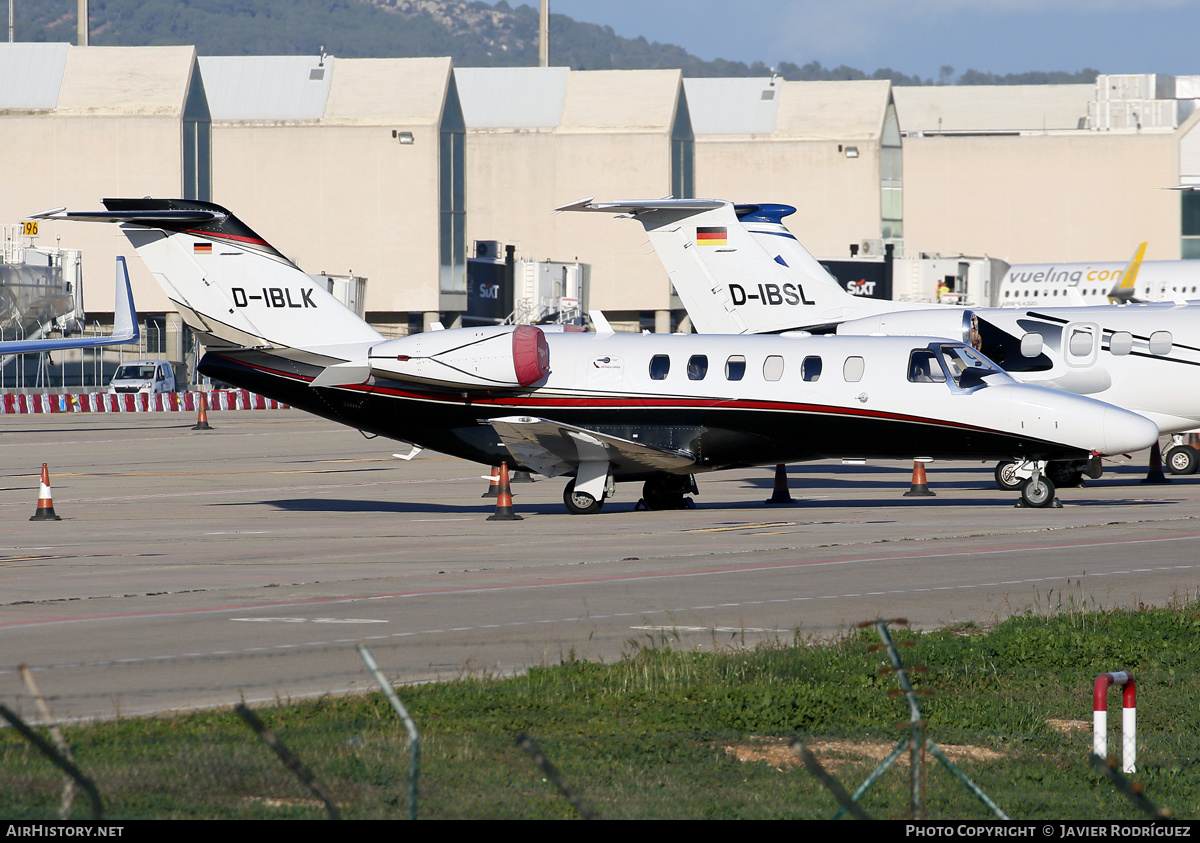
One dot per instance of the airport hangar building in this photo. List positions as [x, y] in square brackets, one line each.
[391, 168]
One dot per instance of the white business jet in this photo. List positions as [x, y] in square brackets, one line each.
[737, 269]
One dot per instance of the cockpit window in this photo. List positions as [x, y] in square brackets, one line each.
[923, 367]
[967, 367]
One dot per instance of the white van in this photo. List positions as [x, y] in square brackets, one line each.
[148, 376]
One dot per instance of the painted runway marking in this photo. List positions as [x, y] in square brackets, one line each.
[734, 629]
[668, 612]
[741, 527]
[311, 620]
[566, 583]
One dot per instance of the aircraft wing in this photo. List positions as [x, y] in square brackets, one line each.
[554, 448]
[125, 324]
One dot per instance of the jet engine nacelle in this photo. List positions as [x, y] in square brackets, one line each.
[950, 322]
[506, 357]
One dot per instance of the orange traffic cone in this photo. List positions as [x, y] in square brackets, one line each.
[1154, 472]
[45, 507]
[504, 510]
[493, 488]
[202, 420]
[780, 495]
[919, 488]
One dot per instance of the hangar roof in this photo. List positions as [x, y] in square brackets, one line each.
[266, 87]
[733, 106]
[621, 100]
[820, 110]
[384, 91]
[331, 90]
[512, 97]
[31, 74]
[965, 108]
[95, 80]
[126, 80]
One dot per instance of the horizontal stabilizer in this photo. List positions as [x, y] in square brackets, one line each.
[554, 448]
[148, 218]
[642, 206]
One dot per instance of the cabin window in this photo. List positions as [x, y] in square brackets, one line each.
[773, 368]
[1031, 344]
[1081, 342]
[1160, 343]
[924, 368]
[697, 367]
[852, 369]
[1120, 343]
[735, 368]
[660, 364]
[811, 369]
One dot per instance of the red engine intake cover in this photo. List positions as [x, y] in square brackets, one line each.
[531, 354]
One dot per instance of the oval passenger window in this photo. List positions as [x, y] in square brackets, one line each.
[1031, 345]
[1160, 343]
[852, 370]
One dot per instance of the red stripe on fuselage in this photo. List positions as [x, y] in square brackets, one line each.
[627, 402]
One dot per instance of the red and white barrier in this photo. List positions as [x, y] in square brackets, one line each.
[130, 402]
[1128, 718]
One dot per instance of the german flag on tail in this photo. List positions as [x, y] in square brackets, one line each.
[711, 235]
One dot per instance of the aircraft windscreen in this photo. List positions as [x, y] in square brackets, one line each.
[967, 367]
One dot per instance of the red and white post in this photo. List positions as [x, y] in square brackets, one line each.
[1128, 718]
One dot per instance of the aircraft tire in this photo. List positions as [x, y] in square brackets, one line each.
[662, 494]
[580, 503]
[1181, 460]
[1038, 495]
[1005, 478]
[1066, 474]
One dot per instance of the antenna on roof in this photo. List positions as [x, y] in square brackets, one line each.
[321, 63]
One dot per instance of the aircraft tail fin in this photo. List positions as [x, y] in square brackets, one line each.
[1123, 291]
[736, 268]
[229, 284]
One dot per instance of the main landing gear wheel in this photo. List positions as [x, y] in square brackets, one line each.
[1005, 478]
[580, 503]
[668, 492]
[1037, 493]
[1066, 475]
[1181, 460]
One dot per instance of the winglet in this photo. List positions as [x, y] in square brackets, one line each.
[125, 321]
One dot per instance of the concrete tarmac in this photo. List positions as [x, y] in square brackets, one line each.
[194, 569]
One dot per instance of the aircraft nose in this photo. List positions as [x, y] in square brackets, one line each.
[1126, 431]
